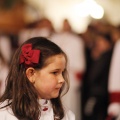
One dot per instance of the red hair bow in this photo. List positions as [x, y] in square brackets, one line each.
[29, 56]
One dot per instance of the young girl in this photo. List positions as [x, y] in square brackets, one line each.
[35, 83]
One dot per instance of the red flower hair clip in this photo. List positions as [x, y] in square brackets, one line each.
[29, 56]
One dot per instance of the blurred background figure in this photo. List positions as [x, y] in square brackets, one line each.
[73, 46]
[11, 22]
[5, 58]
[95, 82]
[5, 48]
[43, 28]
[114, 77]
[4, 67]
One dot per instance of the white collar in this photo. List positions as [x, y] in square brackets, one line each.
[45, 105]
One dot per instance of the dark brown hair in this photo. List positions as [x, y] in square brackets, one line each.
[21, 92]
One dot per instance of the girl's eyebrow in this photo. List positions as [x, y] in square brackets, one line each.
[58, 69]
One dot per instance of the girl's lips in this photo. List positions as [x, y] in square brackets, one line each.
[58, 87]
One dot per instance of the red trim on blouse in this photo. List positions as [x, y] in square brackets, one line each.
[115, 97]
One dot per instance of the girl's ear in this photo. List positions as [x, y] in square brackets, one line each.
[30, 73]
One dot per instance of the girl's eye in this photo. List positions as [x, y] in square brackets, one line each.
[55, 73]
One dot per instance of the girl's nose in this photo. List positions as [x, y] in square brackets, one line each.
[61, 79]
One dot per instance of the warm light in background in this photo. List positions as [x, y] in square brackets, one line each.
[96, 11]
[88, 7]
[78, 12]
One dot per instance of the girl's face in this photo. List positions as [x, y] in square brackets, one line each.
[49, 80]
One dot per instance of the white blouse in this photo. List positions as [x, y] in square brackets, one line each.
[46, 112]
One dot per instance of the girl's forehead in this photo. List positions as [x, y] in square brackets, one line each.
[56, 58]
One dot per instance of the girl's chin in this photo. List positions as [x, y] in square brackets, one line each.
[55, 95]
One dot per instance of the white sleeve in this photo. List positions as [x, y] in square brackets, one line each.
[114, 75]
[6, 113]
[114, 82]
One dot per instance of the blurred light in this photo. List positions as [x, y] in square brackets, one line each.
[78, 12]
[86, 8]
[79, 25]
[96, 10]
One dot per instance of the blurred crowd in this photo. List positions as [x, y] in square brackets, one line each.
[93, 60]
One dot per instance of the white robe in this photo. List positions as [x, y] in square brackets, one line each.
[7, 114]
[114, 82]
